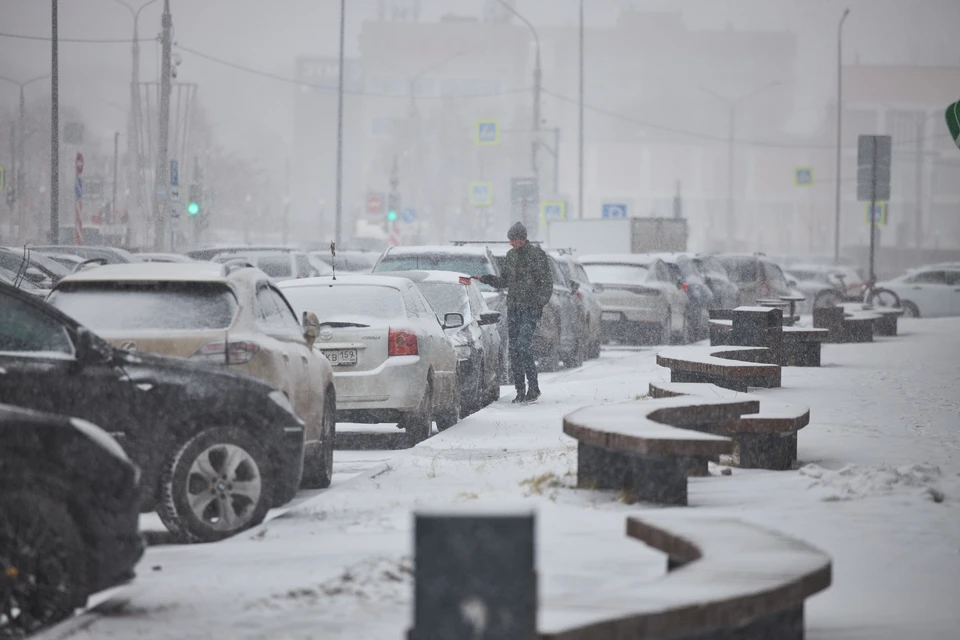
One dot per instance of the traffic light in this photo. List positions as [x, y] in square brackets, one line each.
[193, 204]
[393, 205]
[391, 215]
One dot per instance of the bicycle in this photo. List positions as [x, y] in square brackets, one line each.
[873, 296]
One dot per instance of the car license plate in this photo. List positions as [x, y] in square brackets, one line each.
[611, 316]
[341, 356]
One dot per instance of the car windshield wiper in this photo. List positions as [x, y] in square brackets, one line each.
[340, 324]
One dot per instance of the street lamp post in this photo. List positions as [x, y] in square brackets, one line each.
[19, 150]
[338, 222]
[580, 126]
[731, 137]
[836, 212]
[54, 128]
[134, 153]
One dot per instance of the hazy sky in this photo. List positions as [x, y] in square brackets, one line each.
[253, 115]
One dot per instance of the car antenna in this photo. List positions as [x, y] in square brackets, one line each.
[333, 255]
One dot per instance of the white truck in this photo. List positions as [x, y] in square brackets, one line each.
[618, 235]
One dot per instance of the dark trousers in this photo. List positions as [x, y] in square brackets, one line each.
[521, 327]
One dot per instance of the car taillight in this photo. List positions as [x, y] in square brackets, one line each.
[227, 352]
[684, 286]
[579, 295]
[402, 343]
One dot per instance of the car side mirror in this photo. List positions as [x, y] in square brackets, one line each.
[791, 283]
[491, 317]
[598, 288]
[88, 351]
[452, 320]
[311, 328]
[574, 285]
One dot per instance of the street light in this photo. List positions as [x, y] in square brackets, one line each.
[18, 152]
[732, 106]
[536, 92]
[836, 213]
[133, 121]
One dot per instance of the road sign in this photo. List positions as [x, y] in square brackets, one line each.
[174, 173]
[803, 176]
[487, 132]
[551, 210]
[79, 163]
[613, 210]
[374, 202]
[481, 194]
[408, 215]
[953, 121]
[873, 168]
[878, 215]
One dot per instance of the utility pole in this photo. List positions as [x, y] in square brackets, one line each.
[54, 132]
[731, 218]
[160, 212]
[338, 221]
[918, 216]
[113, 201]
[836, 213]
[580, 147]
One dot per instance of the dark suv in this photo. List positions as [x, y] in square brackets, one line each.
[68, 517]
[217, 449]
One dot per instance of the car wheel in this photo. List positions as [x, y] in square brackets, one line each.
[666, 329]
[42, 573]
[450, 415]
[217, 485]
[475, 400]
[910, 310]
[419, 423]
[575, 358]
[318, 462]
[550, 359]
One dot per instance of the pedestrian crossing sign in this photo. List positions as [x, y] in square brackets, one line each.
[552, 210]
[481, 194]
[487, 132]
[879, 213]
[803, 176]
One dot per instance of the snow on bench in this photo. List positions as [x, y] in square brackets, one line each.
[640, 449]
[725, 579]
[886, 325]
[736, 368]
[847, 324]
[801, 345]
[764, 440]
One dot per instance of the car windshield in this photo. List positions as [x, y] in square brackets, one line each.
[275, 266]
[178, 306]
[447, 297]
[740, 270]
[803, 274]
[474, 265]
[346, 301]
[616, 273]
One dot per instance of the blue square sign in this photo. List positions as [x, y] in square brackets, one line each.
[803, 176]
[613, 210]
[487, 132]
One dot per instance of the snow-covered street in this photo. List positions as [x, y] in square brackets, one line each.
[878, 489]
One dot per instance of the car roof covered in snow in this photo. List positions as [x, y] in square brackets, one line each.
[639, 259]
[472, 250]
[152, 272]
[423, 275]
[363, 279]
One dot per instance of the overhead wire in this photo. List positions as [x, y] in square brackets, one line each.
[22, 36]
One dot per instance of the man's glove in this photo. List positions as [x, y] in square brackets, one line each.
[486, 279]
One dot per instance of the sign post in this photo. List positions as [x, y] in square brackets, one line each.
[78, 192]
[873, 180]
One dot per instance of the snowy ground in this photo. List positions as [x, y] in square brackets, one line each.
[880, 492]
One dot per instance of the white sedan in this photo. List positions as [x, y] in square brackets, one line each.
[392, 361]
[929, 291]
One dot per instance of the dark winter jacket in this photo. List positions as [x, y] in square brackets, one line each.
[526, 276]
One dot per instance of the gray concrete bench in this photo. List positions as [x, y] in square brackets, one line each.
[800, 346]
[726, 580]
[737, 368]
[645, 449]
[766, 439]
[848, 324]
[886, 325]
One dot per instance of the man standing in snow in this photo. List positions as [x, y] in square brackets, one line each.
[526, 276]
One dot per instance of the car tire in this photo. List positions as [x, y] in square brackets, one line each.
[419, 423]
[666, 329]
[318, 461]
[550, 358]
[42, 557]
[475, 401]
[910, 310]
[451, 416]
[575, 358]
[192, 470]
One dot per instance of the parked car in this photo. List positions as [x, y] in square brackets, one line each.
[641, 298]
[819, 285]
[279, 265]
[164, 257]
[477, 342]
[756, 276]
[219, 314]
[209, 253]
[36, 267]
[392, 361]
[587, 295]
[928, 292]
[111, 255]
[67, 260]
[726, 295]
[216, 448]
[348, 261]
[561, 334]
[699, 295]
[69, 499]
[11, 278]
[474, 260]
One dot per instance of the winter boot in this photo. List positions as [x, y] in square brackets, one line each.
[532, 394]
[521, 395]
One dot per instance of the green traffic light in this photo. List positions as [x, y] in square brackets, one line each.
[391, 216]
[193, 208]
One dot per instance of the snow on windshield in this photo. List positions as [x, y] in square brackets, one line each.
[168, 305]
[457, 262]
[346, 301]
[616, 273]
[447, 298]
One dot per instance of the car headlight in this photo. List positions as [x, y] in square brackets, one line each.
[282, 401]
